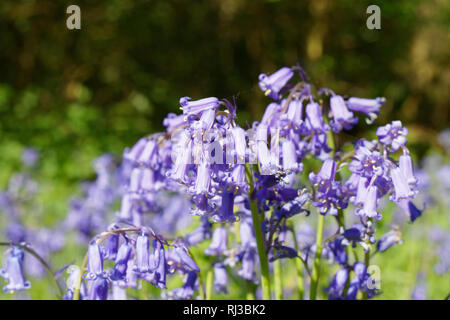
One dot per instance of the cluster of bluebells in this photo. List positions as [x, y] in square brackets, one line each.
[16, 200]
[89, 212]
[434, 187]
[208, 168]
[141, 256]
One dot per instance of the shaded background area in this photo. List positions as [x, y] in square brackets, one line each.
[102, 87]
[74, 95]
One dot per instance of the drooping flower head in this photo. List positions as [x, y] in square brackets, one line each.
[13, 273]
[273, 84]
[342, 117]
[370, 107]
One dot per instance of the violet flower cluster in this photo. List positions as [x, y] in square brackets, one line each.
[244, 187]
[224, 168]
[18, 198]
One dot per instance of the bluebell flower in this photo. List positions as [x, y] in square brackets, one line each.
[338, 249]
[237, 180]
[249, 261]
[388, 240]
[410, 209]
[293, 118]
[111, 245]
[203, 180]
[361, 191]
[240, 147]
[134, 153]
[183, 158]
[204, 124]
[142, 254]
[173, 121]
[271, 114]
[272, 85]
[148, 154]
[406, 166]
[290, 157]
[99, 289]
[370, 107]
[342, 117]
[280, 251]
[95, 261]
[218, 243]
[246, 234]
[393, 135]
[187, 291]
[118, 292]
[353, 234]
[226, 209]
[353, 289]
[131, 276]
[197, 107]
[202, 232]
[314, 118]
[293, 207]
[327, 197]
[14, 271]
[324, 178]
[402, 189]
[126, 207]
[71, 283]
[220, 278]
[361, 281]
[120, 268]
[368, 163]
[369, 209]
[265, 158]
[186, 259]
[158, 266]
[350, 186]
[337, 286]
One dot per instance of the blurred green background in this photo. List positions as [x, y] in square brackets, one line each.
[75, 94]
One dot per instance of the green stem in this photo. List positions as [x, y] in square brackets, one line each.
[316, 271]
[298, 265]
[76, 291]
[40, 259]
[264, 263]
[250, 294]
[300, 286]
[278, 279]
[367, 262]
[201, 288]
[319, 236]
[209, 283]
[265, 278]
